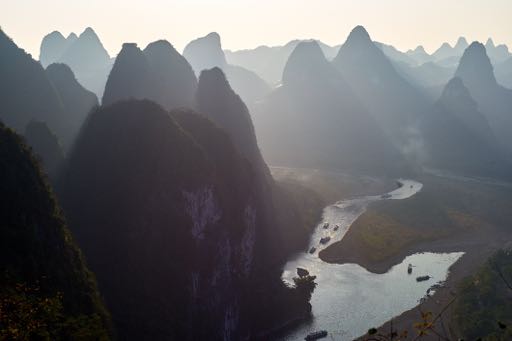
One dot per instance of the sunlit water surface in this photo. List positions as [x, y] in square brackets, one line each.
[348, 299]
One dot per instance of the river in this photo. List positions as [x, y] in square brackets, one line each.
[348, 299]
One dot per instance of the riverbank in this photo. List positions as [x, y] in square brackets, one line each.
[333, 186]
[448, 215]
[442, 301]
[445, 216]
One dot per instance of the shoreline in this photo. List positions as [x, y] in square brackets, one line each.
[475, 234]
[472, 259]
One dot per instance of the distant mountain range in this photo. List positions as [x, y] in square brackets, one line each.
[158, 73]
[206, 53]
[268, 62]
[85, 55]
[495, 101]
[30, 93]
[328, 128]
[165, 188]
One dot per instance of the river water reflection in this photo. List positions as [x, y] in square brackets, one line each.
[348, 299]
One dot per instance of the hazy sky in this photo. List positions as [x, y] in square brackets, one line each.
[249, 23]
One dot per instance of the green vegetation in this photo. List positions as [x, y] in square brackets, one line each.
[46, 146]
[305, 285]
[443, 209]
[298, 209]
[46, 289]
[25, 314]
[484, 305]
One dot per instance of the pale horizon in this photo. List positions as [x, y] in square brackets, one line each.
[401, 23]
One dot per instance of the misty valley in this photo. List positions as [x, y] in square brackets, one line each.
[294, 192]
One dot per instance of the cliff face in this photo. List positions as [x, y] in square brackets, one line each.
[45, 286]
[171, 220]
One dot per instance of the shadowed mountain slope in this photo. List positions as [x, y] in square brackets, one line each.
[158, 73]
[45, 286]
[328, 128]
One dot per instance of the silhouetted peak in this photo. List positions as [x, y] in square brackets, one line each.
[475, 66]
[213, 36]
[205, 53]
[130, 48]
[489, 43]
[160, 45]
[419, 49]
[89, 32]
[476, 47]
[130, 53]
[455, 89]
[86, 53]
[55, 35]
[164, 52]
[52, 47]
[443, 51]
[213, 79]
[308, 51]
[61, 71]
[211, 39]
[292, 43]
[72, 37]
[89, 36]
[306, 56]
[461, 43]
[359, 35]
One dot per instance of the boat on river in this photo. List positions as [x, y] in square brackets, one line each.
[325, 240]
[326, 225]
[336, 228]
[422, 278]
[409, 269]
[316, 335]
[386, 196]
[312, 250]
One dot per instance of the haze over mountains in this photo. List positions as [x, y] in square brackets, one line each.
[396, 89]
[158, 73]
[165, 188]
[206, 53]
[84, 54]
[328, 128]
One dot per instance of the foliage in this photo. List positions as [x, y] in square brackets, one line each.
[26, 314]
[484, 306]
[305, 285]
[36, 247]
[481, 310]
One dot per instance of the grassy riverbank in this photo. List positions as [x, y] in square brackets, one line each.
[443, 214]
